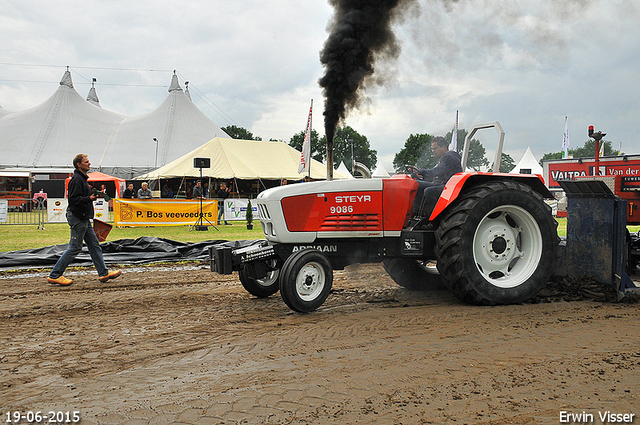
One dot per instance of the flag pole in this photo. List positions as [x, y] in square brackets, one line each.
[565, 138]
[305, 154]
[454, 136]
[310, 133]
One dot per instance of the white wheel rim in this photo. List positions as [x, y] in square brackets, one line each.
[310, 281]
[507, 246]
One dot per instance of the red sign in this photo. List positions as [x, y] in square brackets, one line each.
[568, 169]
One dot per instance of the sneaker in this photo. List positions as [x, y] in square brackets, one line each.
[110, 275]
[60, 281]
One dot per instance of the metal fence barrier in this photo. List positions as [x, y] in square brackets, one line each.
[22, 211]
[26, 211]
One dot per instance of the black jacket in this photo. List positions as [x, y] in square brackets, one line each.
[223, 194]
[447, 166]
[79, 196]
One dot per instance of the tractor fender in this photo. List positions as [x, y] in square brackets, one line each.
[461, 181]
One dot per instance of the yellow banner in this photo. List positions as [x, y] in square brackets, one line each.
[163, 212]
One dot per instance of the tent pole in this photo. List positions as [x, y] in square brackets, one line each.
[180, 187]
[235, 181]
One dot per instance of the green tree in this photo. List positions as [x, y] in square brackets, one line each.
[588, 150]
[239, 133]
[476, 159]
[550, 155]
[362, 151]
[477, 153]
[318, 147]
[416, 151]
[506, 163]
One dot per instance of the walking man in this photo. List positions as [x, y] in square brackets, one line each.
[79, 214]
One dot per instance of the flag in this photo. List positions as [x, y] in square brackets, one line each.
[305, 155]
[602, 148]
[454, 137]
[565, 139]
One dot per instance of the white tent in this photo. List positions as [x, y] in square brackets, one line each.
[92, 97]
[527, 165]
[344, 170]
[242, 159]
[52, 133]
[380, 172]
[177, 124]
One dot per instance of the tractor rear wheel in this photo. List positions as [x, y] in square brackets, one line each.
[497, 244]
[260, 287]
[306, 279]
[412, 274]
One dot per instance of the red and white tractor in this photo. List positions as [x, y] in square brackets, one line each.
[491, 237]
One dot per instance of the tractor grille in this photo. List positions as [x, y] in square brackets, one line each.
[351, 222]
[264, 212]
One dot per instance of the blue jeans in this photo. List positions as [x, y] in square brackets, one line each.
[426, 199]
[81, 230]
[221, 211]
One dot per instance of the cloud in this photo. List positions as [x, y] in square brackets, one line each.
[256, 64]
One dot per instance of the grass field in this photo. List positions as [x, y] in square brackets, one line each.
[18, 237]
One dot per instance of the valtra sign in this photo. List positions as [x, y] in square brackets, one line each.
[627, 166]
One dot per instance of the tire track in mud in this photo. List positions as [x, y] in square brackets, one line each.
[389, 377]
[195, 347]
[187, 311]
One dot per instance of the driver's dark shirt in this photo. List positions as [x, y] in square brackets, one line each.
[448, 165]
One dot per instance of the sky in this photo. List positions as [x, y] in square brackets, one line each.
[255, 64]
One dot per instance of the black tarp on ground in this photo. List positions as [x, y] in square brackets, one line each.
[124, 251]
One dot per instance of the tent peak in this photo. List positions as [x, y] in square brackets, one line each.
[380, 172]
[528, 164]
[92, 97]
[186, 89]
[66, 79]
[175, 85]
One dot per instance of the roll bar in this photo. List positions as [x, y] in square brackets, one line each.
[467, 142]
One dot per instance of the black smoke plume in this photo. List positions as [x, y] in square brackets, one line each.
[360, 34]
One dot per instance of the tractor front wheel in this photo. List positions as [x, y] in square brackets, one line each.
[306, 279]
[497, 244]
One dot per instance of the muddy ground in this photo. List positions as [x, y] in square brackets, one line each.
[183, 345]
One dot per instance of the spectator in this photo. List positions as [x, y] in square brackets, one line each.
[103, 193]
[144, 192]
[129, 192]
[166, 191]
[198, 192]
[222, 194]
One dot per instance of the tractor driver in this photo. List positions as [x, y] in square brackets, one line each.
[431, 182]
